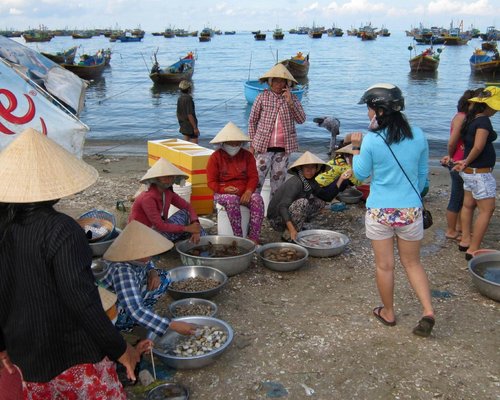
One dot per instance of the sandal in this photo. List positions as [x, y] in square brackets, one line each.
[376, 313]
[424, 326]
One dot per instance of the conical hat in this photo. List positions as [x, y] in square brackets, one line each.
[346, 149]
[230, 133]
[135, 242]
[278, 71]
[34, 168]
[108, 298]
[308, 158]
[162, 167]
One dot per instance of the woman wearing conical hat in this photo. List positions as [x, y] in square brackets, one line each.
[271, 126]
[151, 206]
[52, 324]
[300, 198]
[232, 175]
[137, 283]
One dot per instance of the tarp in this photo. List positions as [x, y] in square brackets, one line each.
[28, 82]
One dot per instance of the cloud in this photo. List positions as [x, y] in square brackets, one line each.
[15, 11]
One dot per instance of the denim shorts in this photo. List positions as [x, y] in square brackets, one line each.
[377, 231]
[482, 186]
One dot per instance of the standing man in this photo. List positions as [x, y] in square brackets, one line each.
[186, 115]
[271, 126]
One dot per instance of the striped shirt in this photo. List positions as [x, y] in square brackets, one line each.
[269, 106]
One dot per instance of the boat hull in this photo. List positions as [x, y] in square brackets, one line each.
[67, 57]
[489, 67]
[298, 69]
[254, 88]
[423, 63]
[175, 73]
[87, 72]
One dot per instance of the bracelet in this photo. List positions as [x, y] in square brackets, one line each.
[356, 148]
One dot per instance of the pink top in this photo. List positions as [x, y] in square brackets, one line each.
[459, 151]
[278, 134]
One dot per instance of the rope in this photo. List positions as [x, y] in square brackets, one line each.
[169, 126]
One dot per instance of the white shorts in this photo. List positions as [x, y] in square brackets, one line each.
[377, 231]
[482, 186]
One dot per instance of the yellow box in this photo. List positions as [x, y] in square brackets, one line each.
[203, 206]
[201, 190]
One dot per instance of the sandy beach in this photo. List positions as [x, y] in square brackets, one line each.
[310, 333]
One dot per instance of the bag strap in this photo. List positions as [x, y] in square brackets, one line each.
[400, 166]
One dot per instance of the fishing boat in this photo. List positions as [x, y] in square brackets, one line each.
[485, 62]
[456, 36]
[129, 38]
[81, 35]
[205, 35]
[427, 61]
[254, 88]
[61, 57]
[260, 36]
[278, 34]
[89, 68]
[298, 65]
[178, 71]
[38, 36]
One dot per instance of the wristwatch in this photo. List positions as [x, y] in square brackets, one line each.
[356, 148]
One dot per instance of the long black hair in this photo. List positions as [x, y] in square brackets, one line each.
[472, 111]
[11, 213]
[395, 123]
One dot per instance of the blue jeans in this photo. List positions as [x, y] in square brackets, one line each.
[457, 192]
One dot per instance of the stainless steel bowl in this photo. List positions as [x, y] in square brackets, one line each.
[192, 271]
[170, 339]
[350, 196]
[99, 268]
[99, 248]
[283, 266]
[166, 391]
[229, 265]
[485, 272]
[323, 249]
[192, 301]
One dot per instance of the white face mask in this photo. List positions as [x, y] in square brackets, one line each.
[373, 123]
[231, 150]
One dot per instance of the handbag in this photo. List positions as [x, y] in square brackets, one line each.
[426, 214]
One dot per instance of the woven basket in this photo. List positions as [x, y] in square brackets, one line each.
[100, 215]
[99, 228]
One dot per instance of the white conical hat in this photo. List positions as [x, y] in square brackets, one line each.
[278, 71]
[34, 168]
[346, 149]
[162, 167]
[230, 133]
[108, 298]
[306, 159]
[135, 242]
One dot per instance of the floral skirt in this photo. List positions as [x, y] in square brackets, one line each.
[97, 381]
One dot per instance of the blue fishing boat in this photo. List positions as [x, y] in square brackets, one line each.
[253, 88]
[178, 71]
[129, 38]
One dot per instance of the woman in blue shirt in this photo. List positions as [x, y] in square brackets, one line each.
[394, 207]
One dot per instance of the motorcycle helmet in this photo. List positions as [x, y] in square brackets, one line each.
[384, 95]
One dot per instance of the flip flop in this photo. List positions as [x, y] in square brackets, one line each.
[376, 313]
[458, 236]
[424, 326]
[462, 248]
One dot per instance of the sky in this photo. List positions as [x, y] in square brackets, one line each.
[243, 15]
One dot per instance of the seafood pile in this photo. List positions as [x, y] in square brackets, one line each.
[205, 340]
[184, 310]
[196, 284]
[320, 241]
[217, 250]
[283, 254]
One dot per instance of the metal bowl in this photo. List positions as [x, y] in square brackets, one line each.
[99, 248]
[338, 240]
[283, 266]
[206, 223]
[228, 265]
[350, 196]
[485, 272]
[192, 301]
[99, 268]
[166, 391]
[192, 271]
[170, 339]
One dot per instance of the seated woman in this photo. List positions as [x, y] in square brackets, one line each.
[151, 206]
[301, 198]
[338, 165]
[137, 284]
[232, 175]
